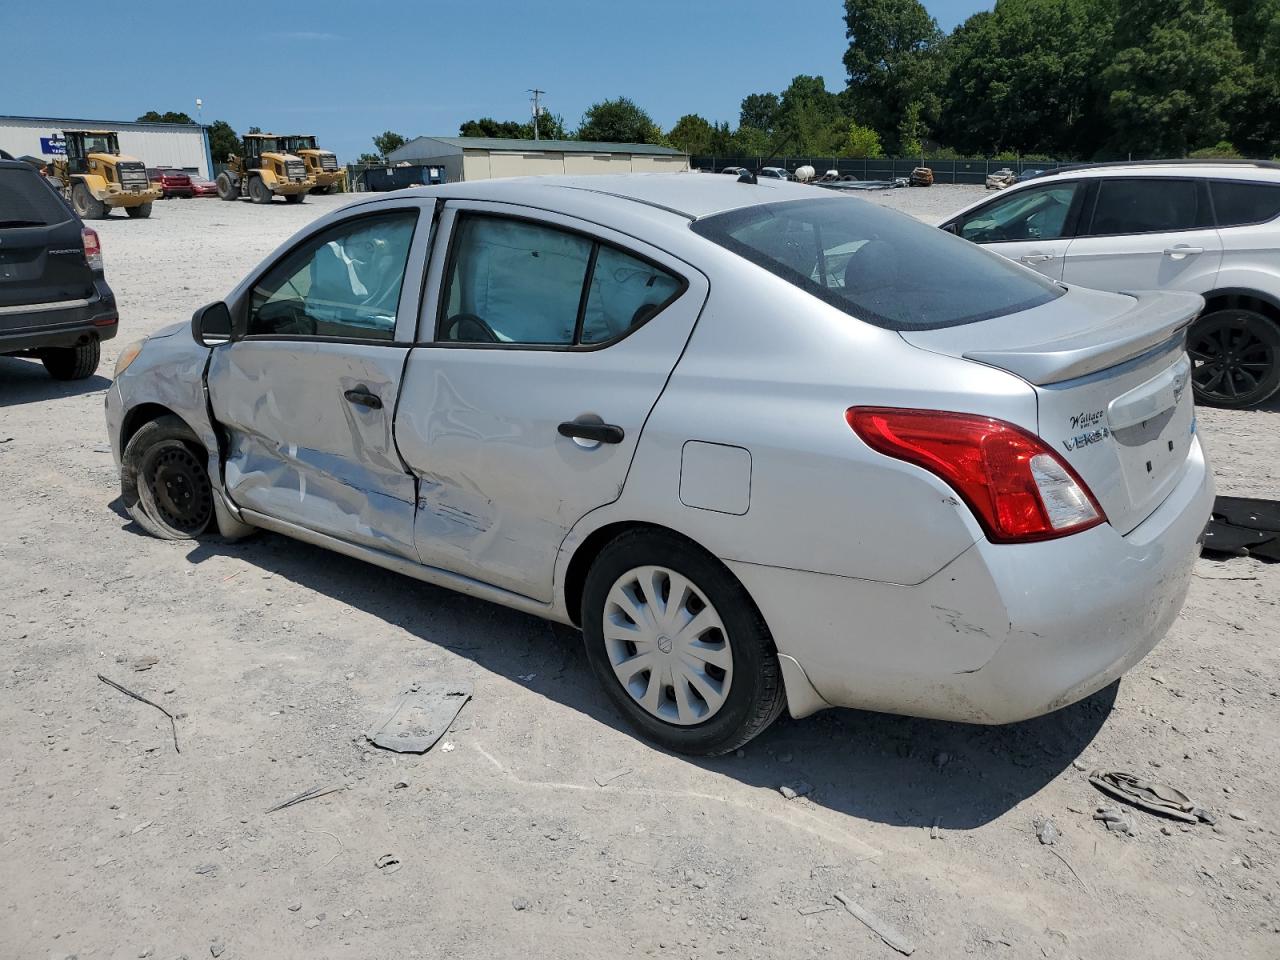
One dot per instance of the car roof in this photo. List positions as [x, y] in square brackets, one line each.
[690, 195]
[1231, 169]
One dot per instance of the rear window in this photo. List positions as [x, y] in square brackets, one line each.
[26, 202]
[1150, 205]
[1238, 202]
[877, 265]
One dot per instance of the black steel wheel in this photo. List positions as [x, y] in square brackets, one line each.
[164, 480]
[1235, 357]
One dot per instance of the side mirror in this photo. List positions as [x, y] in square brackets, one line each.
[952, 227]
[211, 324]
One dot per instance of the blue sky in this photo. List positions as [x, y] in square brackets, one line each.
[349, 70]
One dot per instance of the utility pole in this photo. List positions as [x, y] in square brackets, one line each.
[537, 109]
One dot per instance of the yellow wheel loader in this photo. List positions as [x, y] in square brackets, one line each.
[96, 177]
[265, 170]
[322, 165]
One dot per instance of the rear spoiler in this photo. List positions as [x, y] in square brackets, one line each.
[1157, 317]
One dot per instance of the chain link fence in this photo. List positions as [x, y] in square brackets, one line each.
[888, 168]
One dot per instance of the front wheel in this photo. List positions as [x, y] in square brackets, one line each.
[140, 212]
[259, 192]
[1235, 356]
[85, 204]
[679, 645]
[164, 480]
[72, 363]
[227, 190]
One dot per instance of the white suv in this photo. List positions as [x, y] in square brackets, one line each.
[1211, 228]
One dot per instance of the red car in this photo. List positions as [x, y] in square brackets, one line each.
[173, 182]
[201, 187]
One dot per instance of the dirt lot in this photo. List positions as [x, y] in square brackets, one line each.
[275, 656]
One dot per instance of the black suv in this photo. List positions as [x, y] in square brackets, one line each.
[54, 300]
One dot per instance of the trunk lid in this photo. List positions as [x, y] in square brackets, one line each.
[1112, 383]
[41, 248]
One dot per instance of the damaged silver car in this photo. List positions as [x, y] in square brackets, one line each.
[767, 447]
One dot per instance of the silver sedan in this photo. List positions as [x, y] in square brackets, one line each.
[766, 446]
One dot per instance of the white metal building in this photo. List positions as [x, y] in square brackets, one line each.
[156, 144]
[482, 158]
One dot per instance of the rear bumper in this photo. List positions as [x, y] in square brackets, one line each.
[179, 192]
[1002, 633]
[64, 326]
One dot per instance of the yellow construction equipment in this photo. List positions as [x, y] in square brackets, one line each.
[96, 177]
[266, 169]
[322, 165]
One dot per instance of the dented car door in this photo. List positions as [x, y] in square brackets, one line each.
[306, 390]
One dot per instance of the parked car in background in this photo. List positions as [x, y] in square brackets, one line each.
[172, 182]
[735, 171]
[202, 186]
[1206, 227]
[1000, 179]
[1028, 175]
[961, 492]
[54, 300]
[774, 173]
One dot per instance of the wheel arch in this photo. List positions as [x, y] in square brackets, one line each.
[1242, 298]
[142, 414]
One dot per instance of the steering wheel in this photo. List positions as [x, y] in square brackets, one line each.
[468, 328]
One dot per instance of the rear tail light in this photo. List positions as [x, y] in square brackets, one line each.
[1016, 486]
[92, 248]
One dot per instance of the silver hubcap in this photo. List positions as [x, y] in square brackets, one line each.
[667, 645]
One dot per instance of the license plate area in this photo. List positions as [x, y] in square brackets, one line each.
[1152, 425]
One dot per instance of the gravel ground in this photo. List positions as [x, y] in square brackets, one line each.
[275, 656]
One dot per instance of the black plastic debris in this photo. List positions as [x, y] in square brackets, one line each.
[1243, 527]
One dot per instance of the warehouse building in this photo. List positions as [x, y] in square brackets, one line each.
[483, 158]
[181, 145]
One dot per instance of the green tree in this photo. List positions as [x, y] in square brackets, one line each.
[489, 127]
[618, 121]
[1175, 79]
[255, 130]
[223, 140]
[693, 134]
[369, 159]
[1256, 26]
[894, 64]
[862, 142]
[760, 111]
[388, 141]
[169, 116]
[811, 119]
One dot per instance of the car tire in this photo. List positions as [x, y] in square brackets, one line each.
[85, 204]
[72, 363]
[140, 212]
[259, 192]
[1235, 355]
[226, 189]
[164, 480]
[731, 656]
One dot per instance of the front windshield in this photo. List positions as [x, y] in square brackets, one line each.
[301, 143]
[878, 265]
[269, 145]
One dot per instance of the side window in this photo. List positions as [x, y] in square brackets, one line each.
[514, 282]
[1037, 214]
[1150, 205]
[344, 283]
[625, 292]
[1238, 202]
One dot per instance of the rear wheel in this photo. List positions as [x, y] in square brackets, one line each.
[85, 204]
[294, 197]
[259, 192]
[140, 212]
[226, 189]
[71, 363]
[679, 645]
[1235, 353]
[164, 480]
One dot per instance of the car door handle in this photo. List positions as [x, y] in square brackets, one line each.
[1182, 251]
[1035, 258]
[362, 397]
[596, 432]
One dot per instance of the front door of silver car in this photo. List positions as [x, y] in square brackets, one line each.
[550, 341]
[306, 390]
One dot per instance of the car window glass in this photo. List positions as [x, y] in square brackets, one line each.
[344, 283]
[624, 293]
[1039, 214]
[25, 201]
[1238, 202]
[514, 282]
[1150, 205]
[877, 265]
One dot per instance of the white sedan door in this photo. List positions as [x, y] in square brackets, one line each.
[552, 342]
[1147, 233]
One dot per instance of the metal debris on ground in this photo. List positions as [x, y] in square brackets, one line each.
[306, 795]
[879, 926]
[1148, 795]
[173, 724]
[1243, 527]
[813, 908]
[604, 779]
[387, 863]
[420, 717]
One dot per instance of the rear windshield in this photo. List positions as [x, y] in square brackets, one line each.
[26, 202]
[878, 265]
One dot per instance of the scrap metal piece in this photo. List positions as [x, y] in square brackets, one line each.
[1157, 798]
[420, 717]
[173, 723]
[305, 795]
[879, 926]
